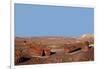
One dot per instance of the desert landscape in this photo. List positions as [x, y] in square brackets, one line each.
[53, 49]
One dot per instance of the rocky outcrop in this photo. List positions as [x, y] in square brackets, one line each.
[43, 50]
[87, 37]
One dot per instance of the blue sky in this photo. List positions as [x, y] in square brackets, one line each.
[43, 20]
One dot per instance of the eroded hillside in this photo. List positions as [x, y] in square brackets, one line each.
[52, 49]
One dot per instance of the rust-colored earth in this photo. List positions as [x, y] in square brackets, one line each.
[55, 49]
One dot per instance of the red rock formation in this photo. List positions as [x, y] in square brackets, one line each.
[47, 51]
[34, 51]
[51, 50]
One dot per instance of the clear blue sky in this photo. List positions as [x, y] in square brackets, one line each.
[43, 20]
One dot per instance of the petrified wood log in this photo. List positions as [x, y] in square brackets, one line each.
[28, 52]
[80, 45]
